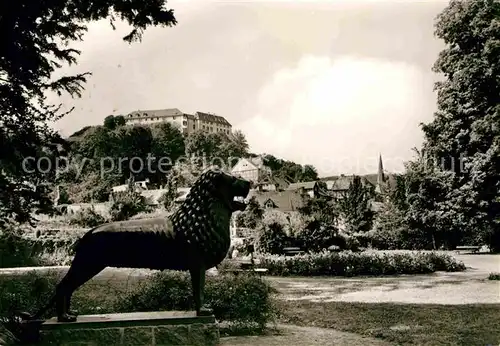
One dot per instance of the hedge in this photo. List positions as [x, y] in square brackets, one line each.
[18, 251]
[365, 263]
[244, 301]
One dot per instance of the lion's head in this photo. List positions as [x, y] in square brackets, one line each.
[203, 219]
[215, 185]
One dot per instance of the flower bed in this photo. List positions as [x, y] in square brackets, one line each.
[360, 264]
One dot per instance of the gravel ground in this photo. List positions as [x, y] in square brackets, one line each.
[469, 287]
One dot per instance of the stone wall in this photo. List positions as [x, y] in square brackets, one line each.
[140, 328]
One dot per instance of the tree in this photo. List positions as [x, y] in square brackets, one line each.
[289, 170]
[320, 217]
[463, 139]
[355, 207]
[170, 194]
[135, 145]
[201, 144]
[166, 148]
[36, 38]
[120, 120]
[111, 122]
[252, 215]
[391, 225]
[240, 144]
[216, 148]
[309, 173]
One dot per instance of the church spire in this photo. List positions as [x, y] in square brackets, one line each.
[380, 174]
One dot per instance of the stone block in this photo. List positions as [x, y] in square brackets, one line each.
[145, 328]
[137, 336]
[203, 334]
[172, 335]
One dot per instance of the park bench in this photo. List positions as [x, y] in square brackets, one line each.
[260, 271]
[292, 251]
[471, 248]
[334, 248]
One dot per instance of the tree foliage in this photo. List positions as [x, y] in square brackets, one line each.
[251, 216]
[458, 192]
[111, 122]
[290, 171]
[217, 148]
[36, 38]
[355, 207]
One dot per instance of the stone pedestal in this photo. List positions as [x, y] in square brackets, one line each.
[139, 328]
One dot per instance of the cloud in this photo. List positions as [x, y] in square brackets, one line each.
[339, 114]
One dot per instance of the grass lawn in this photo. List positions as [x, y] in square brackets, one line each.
[406, 324]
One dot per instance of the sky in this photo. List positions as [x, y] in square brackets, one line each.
[328, 83]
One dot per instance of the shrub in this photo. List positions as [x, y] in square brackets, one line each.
[26, 293]
[6, 337]
[365, 263]
[228, 264]
[494, 276]
[126, 205]
[243, 300]
[352, 243]
[271, 238]
[87, 217]
[19, 251]
[316, 237]
[15, 251]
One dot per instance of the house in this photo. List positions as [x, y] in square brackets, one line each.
[252, 169]
[187, 123]
[139, 186]
[285, 201]
[338, 185]
[271, 183]
[306, 187]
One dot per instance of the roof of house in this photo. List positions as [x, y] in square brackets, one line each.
[168, 112]
[281, 183]
[212, 118]
[308, 185]
[257, 162]
[341, 183]
[285, 201]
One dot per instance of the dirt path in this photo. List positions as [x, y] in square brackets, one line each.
[469, 287]
[294, 335]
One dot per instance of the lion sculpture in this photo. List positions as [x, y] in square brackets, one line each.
[194, 238]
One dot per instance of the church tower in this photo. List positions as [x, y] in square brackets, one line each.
[380, 176]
